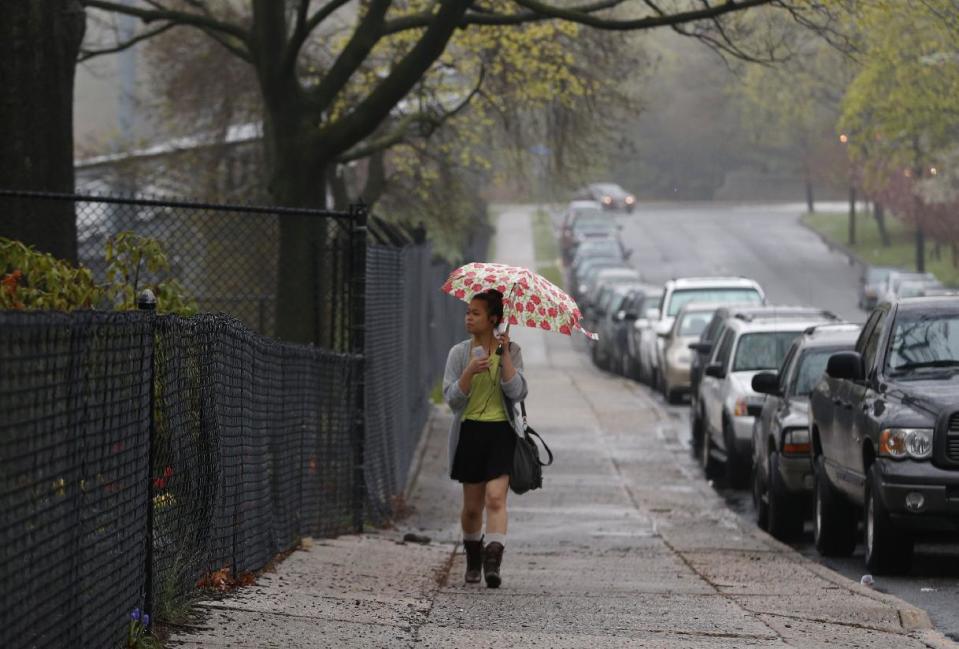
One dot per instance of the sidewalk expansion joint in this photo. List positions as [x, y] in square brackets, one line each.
[441, 577]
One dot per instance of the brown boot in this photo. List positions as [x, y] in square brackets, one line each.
[474, 561]
[492, 558]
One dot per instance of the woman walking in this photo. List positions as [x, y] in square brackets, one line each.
[481, 386]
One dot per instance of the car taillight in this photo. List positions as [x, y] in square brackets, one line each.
[796, 441]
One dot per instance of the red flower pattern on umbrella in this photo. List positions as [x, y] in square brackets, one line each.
[529, 298]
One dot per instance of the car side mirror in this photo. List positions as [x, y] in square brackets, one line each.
[632, 316]
[701, 348]
[620, 316]
[641, 323]
[846, 365]
[767, 383]
[715, 370]
[652, 313]
[664, 334]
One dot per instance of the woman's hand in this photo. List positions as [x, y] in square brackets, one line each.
[506, 359]
[477, 366]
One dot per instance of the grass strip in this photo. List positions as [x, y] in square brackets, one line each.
[901, 252]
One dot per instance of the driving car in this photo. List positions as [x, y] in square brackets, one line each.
[727, 404]
[782, 477]
[884, 422]
[611, 196]
[681, 291]
[872, 284]
[688, 326]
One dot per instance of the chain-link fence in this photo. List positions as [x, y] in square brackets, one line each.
[139, 453]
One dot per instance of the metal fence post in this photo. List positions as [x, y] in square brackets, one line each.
[147, 302]
[358, 347]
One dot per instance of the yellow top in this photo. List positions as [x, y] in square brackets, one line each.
[485, 401]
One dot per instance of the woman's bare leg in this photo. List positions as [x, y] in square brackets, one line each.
[495, 501]
[474, 498]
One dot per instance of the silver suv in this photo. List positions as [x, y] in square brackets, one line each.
[682, 291]
[727, 404]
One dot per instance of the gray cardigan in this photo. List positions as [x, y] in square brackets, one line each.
[512, 391]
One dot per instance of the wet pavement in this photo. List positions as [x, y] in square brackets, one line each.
[626, 546]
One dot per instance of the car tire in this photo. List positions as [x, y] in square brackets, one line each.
[888, 550]
[759, 497]
[597, 358]
[737, 467]
[785, 509]
[695, 432]
[834, 519]
[710, 464]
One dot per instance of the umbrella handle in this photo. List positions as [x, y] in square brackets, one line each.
[499, 348]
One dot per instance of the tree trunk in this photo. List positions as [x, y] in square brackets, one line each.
[810, 199]
[879, 212]
[39, 44]
[852, 215]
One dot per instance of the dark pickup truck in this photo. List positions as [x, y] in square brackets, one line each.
[885, 435]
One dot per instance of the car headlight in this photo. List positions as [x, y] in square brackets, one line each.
[629, 200]
[899, 443]
[607, 200]
[796, 441]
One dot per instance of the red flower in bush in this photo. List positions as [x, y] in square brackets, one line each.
[159, 483]
[168, 472]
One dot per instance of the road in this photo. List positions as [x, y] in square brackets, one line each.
[795, 267]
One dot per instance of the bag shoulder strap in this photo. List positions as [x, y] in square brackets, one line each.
[530, 431]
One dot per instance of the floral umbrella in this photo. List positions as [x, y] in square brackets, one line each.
[529, 299]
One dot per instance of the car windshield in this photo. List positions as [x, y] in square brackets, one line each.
[876, 275]
[762, 350]
[693, 324]
[924, 340]
[811, 366]
[683, 297]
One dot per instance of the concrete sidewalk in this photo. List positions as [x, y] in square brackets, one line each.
[626, 546]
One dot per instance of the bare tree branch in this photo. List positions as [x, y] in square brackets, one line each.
[365, 37]
[491, 18]
[86, 55]
[306, 27]
[205, 22]
[427, 122]
[646, 22]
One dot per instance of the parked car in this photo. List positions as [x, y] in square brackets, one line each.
[637, 313]
[611, 196]
[584, 221]
[703, 348]
[688, 326]
[580, 282]
[782, 469]
[678, 292]
[910, 288]
[600, 248]
[872, 284]
[727, 403]
[608, 351]
[603, 278]
[885, 435]
[890, 289]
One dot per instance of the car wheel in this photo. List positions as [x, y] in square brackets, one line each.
[673, 395]
[710, 465]
[785, 509]
[737, 467]
[834, 520]
[759, 497]
[888, 550]
[696, 432]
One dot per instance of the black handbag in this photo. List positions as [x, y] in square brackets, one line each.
[527, 467]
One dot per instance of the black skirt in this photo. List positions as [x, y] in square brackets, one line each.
[484, 451]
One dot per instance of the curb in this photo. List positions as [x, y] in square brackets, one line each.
[854, 259]
[911, 618]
